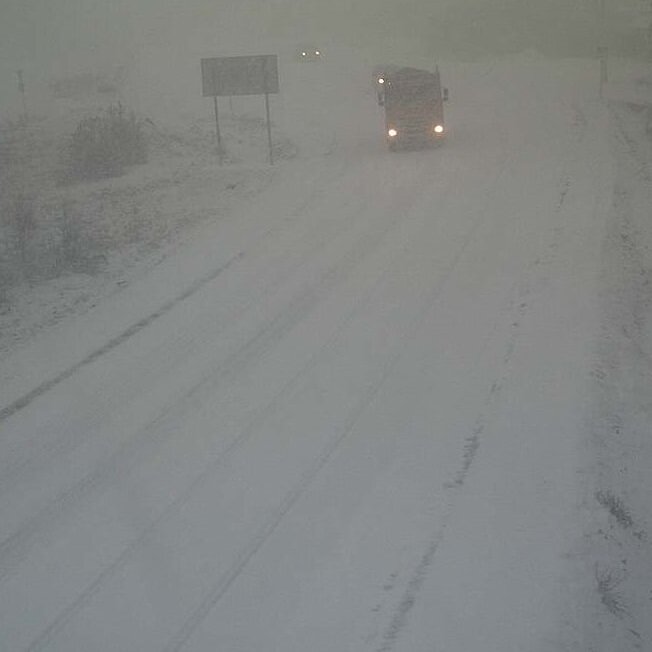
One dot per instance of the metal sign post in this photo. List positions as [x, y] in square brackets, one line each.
[217, 129]
[269, 131]
[217, 126]
[21, 88]
[603, 56]
[269, 122]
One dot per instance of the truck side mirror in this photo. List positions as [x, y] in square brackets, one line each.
[445, 95]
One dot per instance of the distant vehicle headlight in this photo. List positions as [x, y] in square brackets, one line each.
[392, 133]
[304, 54]
[439, 129]
[317, 52]
[381, 80]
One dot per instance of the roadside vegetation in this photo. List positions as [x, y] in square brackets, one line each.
[104, 145]
[43, 232]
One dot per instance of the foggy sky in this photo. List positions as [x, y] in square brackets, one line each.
[50, 38]
[40, 30]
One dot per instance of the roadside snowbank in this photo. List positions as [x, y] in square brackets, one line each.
[618, 550]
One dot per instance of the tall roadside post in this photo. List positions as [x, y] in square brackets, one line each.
[269, 122]
[602, 47]
[602, 56]
[21, 89]
[220, 153]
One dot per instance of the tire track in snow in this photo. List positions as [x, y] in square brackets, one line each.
[117, 464]
[222, 585]
[399, 618]
[25, 400]
[518, 310]
[367, 243]
[63, 444]
[143, 323]
[46, 386]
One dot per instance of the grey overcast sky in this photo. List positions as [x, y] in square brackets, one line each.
[53, 38]
[38, 30]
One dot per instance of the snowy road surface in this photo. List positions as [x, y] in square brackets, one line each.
[351, 416]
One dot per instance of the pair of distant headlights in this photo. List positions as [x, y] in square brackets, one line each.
[392, 133]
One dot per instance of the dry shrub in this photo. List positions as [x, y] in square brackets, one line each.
[103, 145]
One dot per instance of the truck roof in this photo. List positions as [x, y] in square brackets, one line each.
[412, 75]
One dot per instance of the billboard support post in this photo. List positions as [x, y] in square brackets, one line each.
[269, 122]
[603, 55]
[217, 122]
[269, 131]
[21, 88]
[217, 128]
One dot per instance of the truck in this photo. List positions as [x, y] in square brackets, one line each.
[413, 100]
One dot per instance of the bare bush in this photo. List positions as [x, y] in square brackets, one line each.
[74, 85]
[5, 283]
[607, 585]
[103, 145]
[616, 507]
[71, 239]
[77, 249]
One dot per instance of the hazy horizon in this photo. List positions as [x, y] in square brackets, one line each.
[62, 38]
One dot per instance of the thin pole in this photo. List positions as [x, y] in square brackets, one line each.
[602, 54]
[269, 123]
[21, 88]
[217, 129]
[217, 118]
[269, 130]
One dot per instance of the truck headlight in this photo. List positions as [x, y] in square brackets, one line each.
[439, 129]
[392, 133]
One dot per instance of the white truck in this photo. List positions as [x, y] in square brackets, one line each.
[414, 106]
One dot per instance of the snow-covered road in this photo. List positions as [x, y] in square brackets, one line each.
[350, 416]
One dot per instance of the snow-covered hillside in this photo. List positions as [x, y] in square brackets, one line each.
[371, 401]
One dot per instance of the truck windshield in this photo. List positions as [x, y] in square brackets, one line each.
[409, 95]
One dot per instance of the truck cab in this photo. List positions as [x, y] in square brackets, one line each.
[413, 100]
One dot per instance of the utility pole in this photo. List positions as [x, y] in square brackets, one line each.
[603, 52]
[649, 31]
[21, 88]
